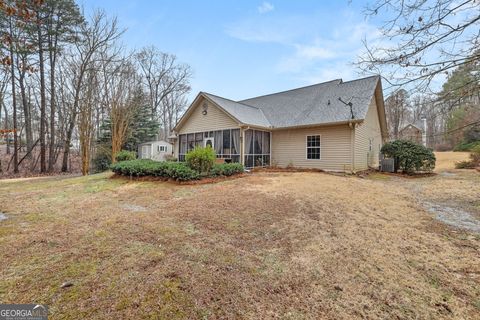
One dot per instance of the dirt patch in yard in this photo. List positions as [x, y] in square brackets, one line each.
[270, 245]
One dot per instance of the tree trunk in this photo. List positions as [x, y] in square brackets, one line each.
[53, 59]
[43, 167]
[6, 126]
[68, 140]
[27, 114]
[14, 104]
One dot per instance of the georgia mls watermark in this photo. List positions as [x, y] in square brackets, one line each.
[23, 312]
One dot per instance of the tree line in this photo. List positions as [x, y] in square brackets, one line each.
[421, 44]
[69, 89]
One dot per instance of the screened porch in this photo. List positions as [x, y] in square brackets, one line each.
[228, 145]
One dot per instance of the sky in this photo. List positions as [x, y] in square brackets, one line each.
[241, 49]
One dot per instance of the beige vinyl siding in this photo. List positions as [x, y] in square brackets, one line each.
[215, 119]
[289, 148]
[368, 129]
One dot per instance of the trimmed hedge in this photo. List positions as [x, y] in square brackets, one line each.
[226, 169]
[145, 167]
[175, 170]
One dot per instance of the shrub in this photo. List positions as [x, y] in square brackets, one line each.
[125, 155]
[145, 167]
[226, 169]
[475, 155]
[466, 164]
[473, 162]
[201, 159]
[409, 156]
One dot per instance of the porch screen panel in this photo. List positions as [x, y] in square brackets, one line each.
[226, 143]
[218, 141]
[257, 148]
[236, 145]
[183, 147]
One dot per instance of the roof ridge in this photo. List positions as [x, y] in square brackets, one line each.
[353, 80]
[246, 105]
[271, 94]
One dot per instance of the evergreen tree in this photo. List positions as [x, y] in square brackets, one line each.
[143, 127]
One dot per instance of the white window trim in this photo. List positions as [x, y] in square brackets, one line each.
[306, 146]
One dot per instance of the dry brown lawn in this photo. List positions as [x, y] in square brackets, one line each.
[446, 160]
[268, 245]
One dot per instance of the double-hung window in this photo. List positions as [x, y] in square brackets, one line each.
[313, 147]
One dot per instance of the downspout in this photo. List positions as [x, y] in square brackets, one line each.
[352, 146]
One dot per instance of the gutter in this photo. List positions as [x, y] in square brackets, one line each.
[327, 124]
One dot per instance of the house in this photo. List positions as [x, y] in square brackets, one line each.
[415, 132]
[333, 126]
[155, 150]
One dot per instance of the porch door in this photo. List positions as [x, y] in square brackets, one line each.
[209, 142]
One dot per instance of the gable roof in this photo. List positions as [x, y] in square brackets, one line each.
[417, 125]
[312, 105]
[243, 113]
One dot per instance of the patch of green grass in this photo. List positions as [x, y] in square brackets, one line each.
[476, 304]
[433, 281]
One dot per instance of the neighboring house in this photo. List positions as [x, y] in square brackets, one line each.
[155, 150]
[415, 132]
[307, 127]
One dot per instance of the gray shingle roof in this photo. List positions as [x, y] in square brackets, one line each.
[242, 112]
[315, 104]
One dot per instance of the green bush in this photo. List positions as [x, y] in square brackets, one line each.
[201, 159]
[466, 164]
[226, 169]
[475, 155]
[144, 167]
[409, 156]
[473, 162]
[125, 155]
[464, 146]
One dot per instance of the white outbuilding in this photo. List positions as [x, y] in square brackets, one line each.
[155, 150]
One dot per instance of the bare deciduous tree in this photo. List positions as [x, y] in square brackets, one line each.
[163, 77]
[396, 108]
[422, 39]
